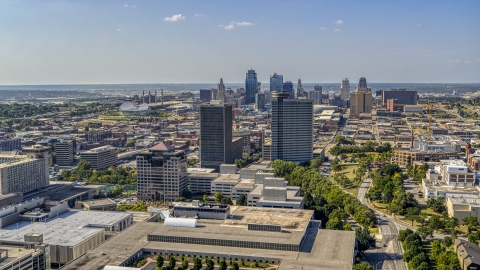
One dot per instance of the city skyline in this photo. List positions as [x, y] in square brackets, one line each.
[91, 42]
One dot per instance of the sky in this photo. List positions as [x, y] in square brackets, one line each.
[103, 42]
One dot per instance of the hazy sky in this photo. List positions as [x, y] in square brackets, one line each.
[69, 42]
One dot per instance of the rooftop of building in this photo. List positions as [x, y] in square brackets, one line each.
[245, 184]
[116, 249]
[228, 178]
[290, 219]
[218, 230]
[14, 254]
[469, 251]
[99, 149]
[439, 185]
[465, 199]
[99, 202]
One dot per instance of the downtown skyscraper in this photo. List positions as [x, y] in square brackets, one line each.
[361, 99]
[345, 89]
[276, 83]
[221, 94]
[292, 128]
[251, 86]
[216, 135]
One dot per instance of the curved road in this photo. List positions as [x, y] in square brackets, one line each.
[389, 254]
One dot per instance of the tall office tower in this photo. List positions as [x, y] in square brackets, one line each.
[276, 83]
[101, 157]
[26, 172]
[361, 99]
[221, 94]
[251, 86]
[288, 87]
[345, 89]
[316, 96]
[63, 150]
[206, 95]
[260, 101]
[318, 88]
[259, 87]
[292, 128]
[161, 173]
[300, 89]
[215, 135]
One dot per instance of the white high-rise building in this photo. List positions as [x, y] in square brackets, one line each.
[100, 158]
[345, 89]
[292, 128]
[161, 173]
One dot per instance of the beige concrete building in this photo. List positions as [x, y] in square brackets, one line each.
[25, 172]
[100, 157]
[161, 173]
[463, 206]
[361, 99]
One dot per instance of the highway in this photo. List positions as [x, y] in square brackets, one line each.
[388, 255]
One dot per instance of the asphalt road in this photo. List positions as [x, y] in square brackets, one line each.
[388, 253]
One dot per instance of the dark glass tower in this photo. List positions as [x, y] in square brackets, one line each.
[215, 135]
[288, 87]
[292, 128]
[251, 85]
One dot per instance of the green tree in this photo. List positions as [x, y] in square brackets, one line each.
[117, 191]
[447, 241]
[218, 197]
[184, 264]
[234, 266]
[197, 264]
[241, 200]
[205, 198]
[159, 261]
[437, 249]
[425, 231]
[363, 266]
[364, 238]
[412, 214]
[171, 262]
[83, 165]
[223, 265]
[471, 223]
[210, 264]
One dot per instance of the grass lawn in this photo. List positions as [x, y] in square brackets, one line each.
[374, 230]
[348, 170]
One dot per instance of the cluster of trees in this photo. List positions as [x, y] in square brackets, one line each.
[473, 229]
[20, 124]
[141, 206]
[16, 110]
[113, 175]
[329, 202]
[159, 113]
[219, 198]
[247, 160]
[197, 264]
[387, 187]
[369, 146]
[417, 173]
[437, 205]
[416, 256]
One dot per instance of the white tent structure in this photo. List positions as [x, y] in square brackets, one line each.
[180, 222]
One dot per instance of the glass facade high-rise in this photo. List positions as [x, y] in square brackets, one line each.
[292, 128]
[251, 86]
[260, 101]
[276, 83]
[288, 87]
[215, 135]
